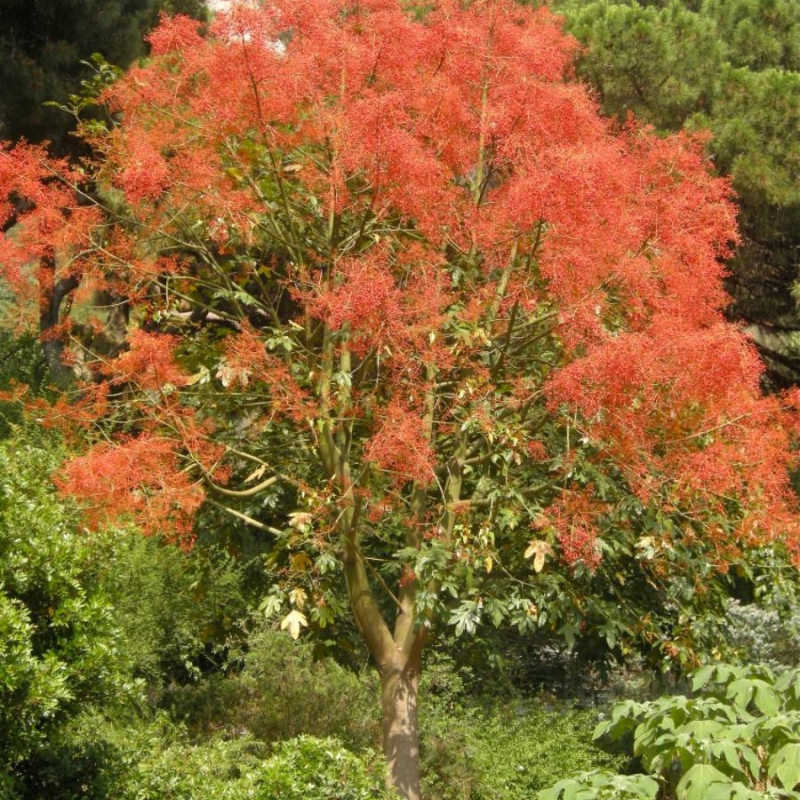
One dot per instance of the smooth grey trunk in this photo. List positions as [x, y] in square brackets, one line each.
[399, 688]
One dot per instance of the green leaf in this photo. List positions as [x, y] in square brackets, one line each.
[702, 782]
[730, 753]
[785, 765]
[466, 617]
[701, 677]
[744, 690]
[766, 699]
[554, 792]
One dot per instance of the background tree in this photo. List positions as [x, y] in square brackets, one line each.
[398, 299]
[732, 68]
[44, 44]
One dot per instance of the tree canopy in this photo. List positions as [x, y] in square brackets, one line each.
[387, 289]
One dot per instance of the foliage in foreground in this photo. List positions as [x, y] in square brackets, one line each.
[737, 737]
[136, 758]
[499, 749]
[60, 644]
[321, 769]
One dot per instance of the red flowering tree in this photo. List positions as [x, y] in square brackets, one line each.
[393, 273]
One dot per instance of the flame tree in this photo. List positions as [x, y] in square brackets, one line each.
[386, 288]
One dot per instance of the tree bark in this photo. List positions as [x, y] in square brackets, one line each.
[52, 295]
[399, 688]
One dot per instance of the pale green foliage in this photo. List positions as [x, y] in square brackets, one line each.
[498, 749]
[603, 786]
[131, 757]
[759, 634]
[736, 738]
[180, 770]
[306, 768]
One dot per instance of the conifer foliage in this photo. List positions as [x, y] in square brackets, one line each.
[399, 298]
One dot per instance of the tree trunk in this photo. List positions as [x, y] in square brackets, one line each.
[52, 295]
[399, 686]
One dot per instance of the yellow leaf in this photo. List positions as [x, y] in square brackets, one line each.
[531, 550]
[300, 562]
[293, 621]
[199, 377]
[488, 563]
[299, 519]
[539, 550]
[256, 473]
[298, 597]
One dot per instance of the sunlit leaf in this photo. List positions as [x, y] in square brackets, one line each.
[293, 622]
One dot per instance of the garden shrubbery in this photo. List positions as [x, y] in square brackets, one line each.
[129, 669]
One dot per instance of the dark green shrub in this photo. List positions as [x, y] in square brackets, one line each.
[179, 611]
[279, 691]
[60, 644]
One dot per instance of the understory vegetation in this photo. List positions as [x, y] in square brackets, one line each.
[133, 670]
[130, 669]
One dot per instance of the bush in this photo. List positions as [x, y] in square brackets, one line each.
[61, 645]
[306, 768]
[21, 362]
[178, 610]
[85, 620]
[759, 635]
[161, 764]
[279, 691]
[498, 750]
[136, 758]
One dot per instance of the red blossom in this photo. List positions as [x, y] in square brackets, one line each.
[400, 446]
[139, 478]
[406, 189]
[148, 363]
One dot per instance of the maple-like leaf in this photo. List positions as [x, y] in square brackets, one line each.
[293, 622]
[538, 550]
